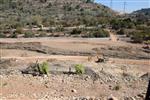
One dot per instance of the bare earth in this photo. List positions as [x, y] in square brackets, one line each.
[121, 70]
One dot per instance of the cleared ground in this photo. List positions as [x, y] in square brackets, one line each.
[127, 68]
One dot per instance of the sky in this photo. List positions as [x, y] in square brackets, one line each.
[131, 5]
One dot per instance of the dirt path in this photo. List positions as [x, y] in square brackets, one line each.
[113, 37]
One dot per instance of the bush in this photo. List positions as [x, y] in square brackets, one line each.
[89, 1]
[28, 34]
[99, 33]
[147, 42]
[59, 29]
[14, 35]
[42, 34]
[76, 31]
[79, 69]
[137, 37]
[117, 87]
[19, 30]
[43, 68]
[2, 35]
[121, 32]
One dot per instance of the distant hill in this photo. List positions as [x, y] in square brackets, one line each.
[141, 16]
[145, 12]
[14, 13]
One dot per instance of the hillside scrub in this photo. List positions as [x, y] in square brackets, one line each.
[139, 37]
[28, 34]
[51, 13]
[99, 33]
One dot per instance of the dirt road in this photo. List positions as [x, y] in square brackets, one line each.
[113, 36]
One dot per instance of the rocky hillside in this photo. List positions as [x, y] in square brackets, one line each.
[14, 13]
[142, 16]
[145, 11]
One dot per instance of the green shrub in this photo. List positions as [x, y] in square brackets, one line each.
[42, 34]
[19, 30]
[139, 37]
[99, 33]
[2, 35]
[43, 68]
[14, 35]
[79, 68]
[117, 87]
[76, 31]
[28, 34]
[121, 32]
[147, 42]
[59, 29]
[89, 1]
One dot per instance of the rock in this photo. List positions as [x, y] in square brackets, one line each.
[129, 98]
[87, 78]
[145, 76]
[132, 98]
[141, 95]
[45, 76]
[111, 97]
[74, 91]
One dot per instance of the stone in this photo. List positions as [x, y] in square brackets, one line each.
[141, 95]
[111, 97]
[74, 90]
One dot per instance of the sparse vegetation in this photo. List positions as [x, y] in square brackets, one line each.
[28, 34]
[4, 84]
[44, 68]
[2, 35]
[121, 32]
[51, 13]
[140, 36]
[117, 87]
[99, 33]
[116, 64]
[79, 69]
[19, 30]
[14, 35]
[76, 31]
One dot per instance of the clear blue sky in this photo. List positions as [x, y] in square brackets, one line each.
[131, 5]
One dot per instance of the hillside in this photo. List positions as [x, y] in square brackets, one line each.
[15, 13]
[145, 11]
[142, 16]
